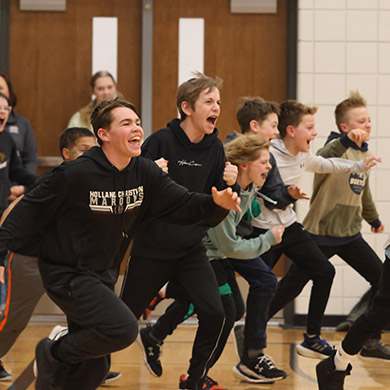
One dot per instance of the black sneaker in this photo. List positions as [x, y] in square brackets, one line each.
[238, 339]
[112, 376]
[259, 370]
[4, 374]
[51, 374]
[151, 351]
[375, 349]
[328, 377]
[314, 347]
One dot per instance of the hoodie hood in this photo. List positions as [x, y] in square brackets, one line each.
[334, 135]
[280, 146]
[206, 142]
[96, 154]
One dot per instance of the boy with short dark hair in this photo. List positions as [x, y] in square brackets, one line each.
[293, 156]
[85, 211]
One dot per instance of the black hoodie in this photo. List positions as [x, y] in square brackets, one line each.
[196, 166]
[86, 207]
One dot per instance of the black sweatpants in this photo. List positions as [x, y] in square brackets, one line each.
[181, 308]
[312, 265]
[145, 277]
[358, 254]
[376, 318]
[99, 323]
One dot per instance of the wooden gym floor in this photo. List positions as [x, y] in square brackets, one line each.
[176, 352]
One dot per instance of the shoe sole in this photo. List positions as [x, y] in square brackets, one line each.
[306, 352]
[371, 358]
[141, 345]
[239, 375]
[108, 381]
[8, 378]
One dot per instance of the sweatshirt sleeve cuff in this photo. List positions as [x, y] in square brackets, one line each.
[346, 142]
[271, 237]
[376, 224]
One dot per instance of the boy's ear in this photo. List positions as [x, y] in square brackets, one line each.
[343, 127]
[290, 131]
[242, 167]
[253, 126]
[102, 134]
[65, 154]
[186, 108]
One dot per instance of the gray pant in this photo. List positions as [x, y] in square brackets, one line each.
[25, 288]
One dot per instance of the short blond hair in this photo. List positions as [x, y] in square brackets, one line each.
[245, 148]
[354, 100]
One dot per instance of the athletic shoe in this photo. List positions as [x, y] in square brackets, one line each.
[314, 347]
[151, 351]
[375, 349]
[343, 326]
[4, 375]
[51, 374]
[259, 370]
[238, 340]
[328, 377]
[112, 376]
[152, 305]
[58, 332]
[208, 384]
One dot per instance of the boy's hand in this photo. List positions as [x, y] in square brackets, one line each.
[162, 163]
[297, 193]
[230, 173]
[278, 231]
[226, 199]
[15, 191]
[1, 274]
[358, 136]
[379, 229]
[370, 162]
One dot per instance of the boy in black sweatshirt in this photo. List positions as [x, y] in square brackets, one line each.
[194, 157]
[86, 211]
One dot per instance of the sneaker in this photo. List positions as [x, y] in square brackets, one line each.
[314, 347]
[238, 340]
[375, 349]
[58, 332]
[51, 374]
[4, 374]
[259, 370]
[112, 376]
[208, 384]
[328, 377]
[151, 351]
[343, 326]
[152, 305]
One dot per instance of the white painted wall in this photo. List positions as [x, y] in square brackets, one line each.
[345, 45]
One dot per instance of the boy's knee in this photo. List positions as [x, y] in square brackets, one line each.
[123, 335]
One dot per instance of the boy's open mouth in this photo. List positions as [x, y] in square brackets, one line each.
[212, 120]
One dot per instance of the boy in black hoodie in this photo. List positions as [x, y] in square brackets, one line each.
[86, 212]
[194, 156]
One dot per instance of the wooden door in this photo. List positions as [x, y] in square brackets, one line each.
[248, 51]
[50, 61]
